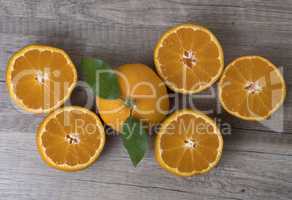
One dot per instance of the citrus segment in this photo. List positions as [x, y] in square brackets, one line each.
[189, 58]
[188, 143]
[40, 78]
[70, 138]
[251, 88]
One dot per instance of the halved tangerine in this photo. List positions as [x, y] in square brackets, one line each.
[40, 78]
[70, 138]
[189, 58]
[251, 88]
[188, 143]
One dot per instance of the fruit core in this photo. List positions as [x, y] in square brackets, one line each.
[41, 76]
[253, 87]
[189, 59]
[73, 138]
[189, 143]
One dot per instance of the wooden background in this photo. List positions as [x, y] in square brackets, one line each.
[257, 159]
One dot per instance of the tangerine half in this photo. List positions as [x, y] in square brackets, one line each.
[251, 88]
[189, 58]
[70, 138]
[188, 143]
[40, 78]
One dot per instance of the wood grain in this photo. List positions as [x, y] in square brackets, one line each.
[257, 159]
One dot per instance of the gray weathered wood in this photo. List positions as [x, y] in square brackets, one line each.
[257, 159]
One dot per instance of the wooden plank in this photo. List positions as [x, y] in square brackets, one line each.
[131, 11]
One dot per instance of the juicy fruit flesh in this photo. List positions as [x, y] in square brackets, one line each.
[252, 87]
[143, 96]
[71, 138]
[45, 73]
[189, 58]
[189, 144]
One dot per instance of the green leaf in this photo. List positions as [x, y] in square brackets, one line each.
[101, 78]
[135, 139]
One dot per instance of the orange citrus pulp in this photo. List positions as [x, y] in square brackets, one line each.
[70, 138]
[251, 88]
[189, 58]
[40, 78]
[188, 143]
